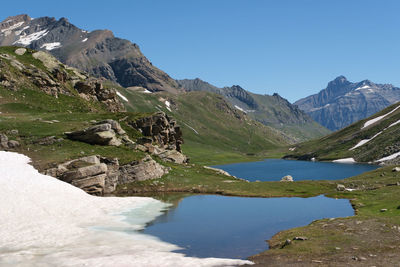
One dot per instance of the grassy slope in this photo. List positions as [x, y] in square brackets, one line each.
[29, 111]
[337, 145]
[270, 107]
[213, 131]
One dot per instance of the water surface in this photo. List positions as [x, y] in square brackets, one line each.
[275, 169]
[237, 227]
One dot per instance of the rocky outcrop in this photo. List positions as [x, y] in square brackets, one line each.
[98, 175]
[287, 178]
[161, 130]
[142, 170]
[55, 79]
[173, 156]
[87, 173]
[108, 132]
[7, 144]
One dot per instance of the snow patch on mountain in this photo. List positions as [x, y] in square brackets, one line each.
[84, 40]
[51, 46]
[374, 120]
[123, 97]
[28, 39]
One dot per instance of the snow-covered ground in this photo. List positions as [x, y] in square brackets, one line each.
[372, 121]
[28, 39]
[46, 222]
[168, 105]
[51, 46]
[122, 96]
[393, 156]
[346, 160]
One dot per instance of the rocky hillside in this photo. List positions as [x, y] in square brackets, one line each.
[273, 111]
[212, 127]
[375, 139]
[342, 102]
[98, 52]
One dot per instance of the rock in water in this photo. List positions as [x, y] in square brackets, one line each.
[287, 178]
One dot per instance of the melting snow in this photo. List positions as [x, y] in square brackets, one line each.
[393, 156]
[84, 40]
[346, 160]
[393, 124]
[20, 31]
[364, 141]
[123, 97]
[196, 132]
[51, 46]
[362, 87]
[239, 108]
[372, 121]
[168, 105]
[146, 91]
[46, 222]
[27, 40]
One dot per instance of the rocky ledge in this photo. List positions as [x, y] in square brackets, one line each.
[98, 175]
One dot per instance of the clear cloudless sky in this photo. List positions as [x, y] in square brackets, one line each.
[292, 47]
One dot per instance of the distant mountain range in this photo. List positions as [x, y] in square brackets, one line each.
[98, 52]
[342, 102]
[270, 110]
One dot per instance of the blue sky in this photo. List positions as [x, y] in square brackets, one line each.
[292, 47]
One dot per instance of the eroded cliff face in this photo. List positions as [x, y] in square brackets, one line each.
[98, 52]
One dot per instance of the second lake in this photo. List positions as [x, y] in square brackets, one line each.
[275, 169]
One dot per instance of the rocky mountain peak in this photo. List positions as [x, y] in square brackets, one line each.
[12, 20]
[99, 53]
[338, 81]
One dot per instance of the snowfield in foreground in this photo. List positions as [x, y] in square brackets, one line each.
[46, 222]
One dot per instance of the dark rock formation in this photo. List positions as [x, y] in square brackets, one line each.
[160, 129]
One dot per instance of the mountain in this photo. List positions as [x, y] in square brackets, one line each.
[98, 52]
[273, 111]
[43, 98]
[213, 129]
[342, 102]
[374, 139]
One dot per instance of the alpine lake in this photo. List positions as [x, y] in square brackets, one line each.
[238, 227]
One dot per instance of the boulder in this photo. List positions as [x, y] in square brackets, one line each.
[7, 144]
[287, 178]
[396, 169]
[20, 51]
[93, 174]
[142, 170]
[173, 156]
[340, 187]
[101, 134]
[82, 172]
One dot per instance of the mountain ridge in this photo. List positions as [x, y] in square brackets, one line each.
[270, 110]
[343, 102]
[98, 52]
